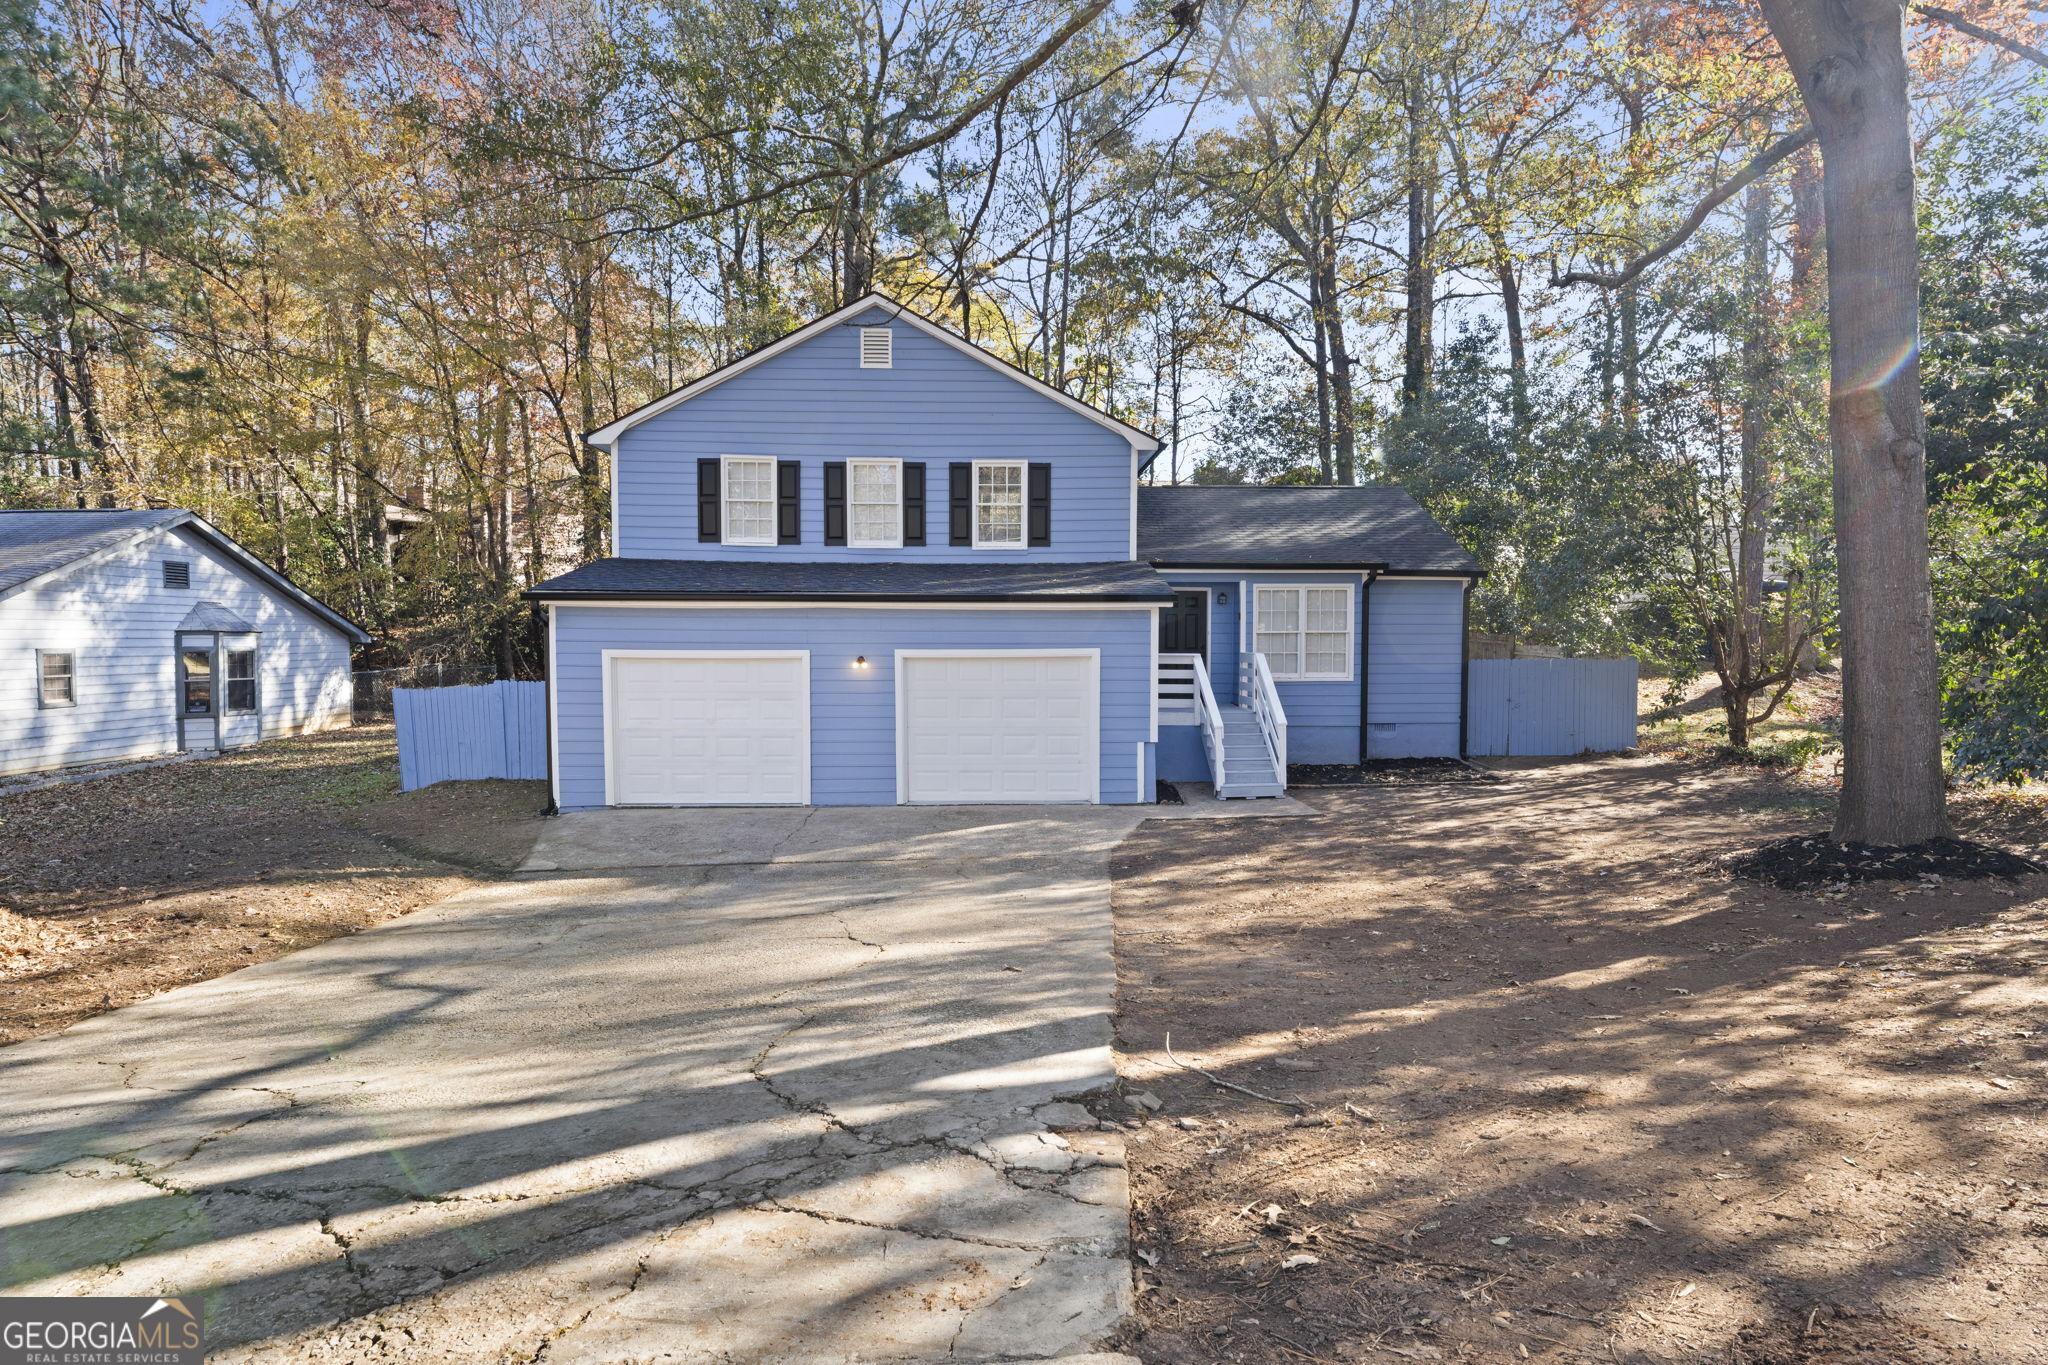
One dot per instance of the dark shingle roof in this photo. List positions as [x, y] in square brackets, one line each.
[1250, 527]
[34, 543]
[215, 616]
[712, 579]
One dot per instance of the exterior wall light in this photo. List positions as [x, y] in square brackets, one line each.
[860, 661]
[1221, 598]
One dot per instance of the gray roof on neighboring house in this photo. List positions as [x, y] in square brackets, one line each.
[1232, 526]
[858, 581]
[215, 616]
[36, 543]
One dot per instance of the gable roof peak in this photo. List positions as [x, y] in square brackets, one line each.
[608, 435]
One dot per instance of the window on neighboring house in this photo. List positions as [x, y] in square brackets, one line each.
[56, 677]
[999, 505]
[1305, 633]
[749, 485]
[177, 573]
[874, 504]
[198, 681]
[240, 677]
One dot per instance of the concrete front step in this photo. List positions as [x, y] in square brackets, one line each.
[1231, 790]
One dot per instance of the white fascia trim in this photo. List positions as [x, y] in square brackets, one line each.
[1094, 658]
[1350, 673]
[1134, 500]
[612, 463]
[606, 656]
[554, 717]
[897, 521]
[964, 604]
[609, 434]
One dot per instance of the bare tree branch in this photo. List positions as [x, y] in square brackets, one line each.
[1721, 194]
[1996, 39]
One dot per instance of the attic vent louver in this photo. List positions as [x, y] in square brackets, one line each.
[877, 348]
[177, 573]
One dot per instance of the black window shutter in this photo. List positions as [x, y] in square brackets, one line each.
[707, 500]
[835, 502]
[1038, 504]
[913, 503]
[963, 503]
[789, 523]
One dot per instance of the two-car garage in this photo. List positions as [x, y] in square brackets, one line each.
[733, 727]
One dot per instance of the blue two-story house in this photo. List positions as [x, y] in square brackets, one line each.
[871, 563]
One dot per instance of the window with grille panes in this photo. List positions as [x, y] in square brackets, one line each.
[999, 505]
[1304, 632]
[749, 490]
[874, 504]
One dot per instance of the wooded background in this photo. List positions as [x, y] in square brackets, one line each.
[351, 277]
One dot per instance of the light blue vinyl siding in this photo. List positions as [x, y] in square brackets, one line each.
[1181, 757]
[1322, 717]
[813, 403]
[1417, 681]
[853, 712]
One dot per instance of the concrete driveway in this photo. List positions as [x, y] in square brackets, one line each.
[700, 1086]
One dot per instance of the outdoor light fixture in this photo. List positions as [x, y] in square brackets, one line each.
[1221, 598]
[860, 661]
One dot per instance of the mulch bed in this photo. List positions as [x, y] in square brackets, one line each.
[1381, 772]
[1806, 860]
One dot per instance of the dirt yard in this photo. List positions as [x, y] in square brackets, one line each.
[1569, 1097]
[119, 887]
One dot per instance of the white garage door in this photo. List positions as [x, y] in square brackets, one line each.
[710, 730]
[988, 728]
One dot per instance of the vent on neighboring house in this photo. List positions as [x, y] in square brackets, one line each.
[177, 573]
[877, 348]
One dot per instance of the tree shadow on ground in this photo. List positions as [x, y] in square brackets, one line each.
[1570, 1094]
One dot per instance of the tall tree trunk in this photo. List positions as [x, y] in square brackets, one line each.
[1747, 654]
[1518, 345]
[1344, 413]
[1850, 61]
[1420, 305]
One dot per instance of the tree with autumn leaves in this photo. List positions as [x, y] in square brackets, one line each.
[1601, 281]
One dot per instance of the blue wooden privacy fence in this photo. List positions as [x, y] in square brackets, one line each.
[1527, 707]
[464, 733]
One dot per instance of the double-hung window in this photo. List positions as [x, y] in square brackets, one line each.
[56, 677]
[749, 512]
[874, 504]
[999, 504]
[1305, 632]
[240, 677]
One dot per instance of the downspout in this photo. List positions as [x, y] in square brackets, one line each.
[1365, 669]
[1464, 663]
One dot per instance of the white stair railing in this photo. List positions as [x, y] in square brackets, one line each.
[1176, 689]
[1210, 719]
[1272, 717]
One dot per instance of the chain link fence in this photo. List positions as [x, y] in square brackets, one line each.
[374, 685]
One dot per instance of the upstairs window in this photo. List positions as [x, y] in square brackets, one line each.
[56, 677]
[177, 573]
[1305, 633]
[999, 505]
[877, 348]
[874, 504]
[749, 512]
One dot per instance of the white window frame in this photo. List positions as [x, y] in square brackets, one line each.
[43, 702]
[1023, 541]
[1301, 631]
[894, 542]
[725, 499]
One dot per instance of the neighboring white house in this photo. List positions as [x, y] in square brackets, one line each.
[128, 634]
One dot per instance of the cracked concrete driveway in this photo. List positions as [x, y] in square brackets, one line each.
[700, 1086]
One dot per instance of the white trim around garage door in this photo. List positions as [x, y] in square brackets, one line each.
[605, 682]
[1094, 658]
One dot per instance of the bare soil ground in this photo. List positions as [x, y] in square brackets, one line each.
[1569, 1098]
[123, 886]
